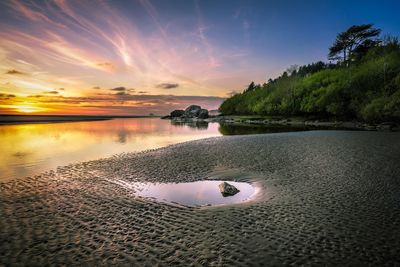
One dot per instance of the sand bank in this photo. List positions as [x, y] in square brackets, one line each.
[333, 199]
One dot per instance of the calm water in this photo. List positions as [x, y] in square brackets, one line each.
[29, 149]
[199, 193]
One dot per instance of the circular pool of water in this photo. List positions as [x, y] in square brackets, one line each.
[199, 193]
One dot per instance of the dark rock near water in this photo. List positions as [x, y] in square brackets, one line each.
[203, 114]
[177, 113]
[192, 111]
[166, 117]
[386, 126]
[228, 189]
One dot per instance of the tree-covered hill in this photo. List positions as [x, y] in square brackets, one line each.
[363, 84]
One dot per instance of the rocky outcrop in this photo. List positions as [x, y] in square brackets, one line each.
[203, 114]
[177, 113]
[228, 189]
[192, 111]
[386, 126]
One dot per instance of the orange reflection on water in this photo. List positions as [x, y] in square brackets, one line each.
[28, 149]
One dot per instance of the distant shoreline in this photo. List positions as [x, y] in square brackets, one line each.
[28, 119]
[281, 121]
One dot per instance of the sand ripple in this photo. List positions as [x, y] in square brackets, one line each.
[335, 201]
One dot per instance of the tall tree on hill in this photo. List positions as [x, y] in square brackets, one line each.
[251, 87]
[355, 40]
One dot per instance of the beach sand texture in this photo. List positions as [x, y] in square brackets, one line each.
[330, 198]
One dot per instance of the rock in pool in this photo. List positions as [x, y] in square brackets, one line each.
[228, 189]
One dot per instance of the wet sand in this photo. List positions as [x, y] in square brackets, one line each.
[330, 198]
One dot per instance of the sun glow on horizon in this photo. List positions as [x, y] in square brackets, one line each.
[58, 58]
[28, 109]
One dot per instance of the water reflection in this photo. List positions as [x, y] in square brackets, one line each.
[28, 149]
[200, 125]
[242, 129]
[122, 136]
[199, 193]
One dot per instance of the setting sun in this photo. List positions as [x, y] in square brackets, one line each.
[28, 109]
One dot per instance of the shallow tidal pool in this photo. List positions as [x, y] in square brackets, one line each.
[199, 193]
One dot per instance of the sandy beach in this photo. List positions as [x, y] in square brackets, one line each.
[328, 198]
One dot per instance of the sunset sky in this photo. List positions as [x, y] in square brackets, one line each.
[140, 57]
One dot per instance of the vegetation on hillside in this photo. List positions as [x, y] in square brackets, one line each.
[362, 84]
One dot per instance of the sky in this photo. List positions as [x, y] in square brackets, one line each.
[121, 57]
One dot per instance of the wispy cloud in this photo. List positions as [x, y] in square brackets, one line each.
[212, 61]
[28, 12]
[15, 72]
[167, 85]
[90, 46]
[51, 92]
[35, 96]
[6, 96]
[121, 88]
[123, 93]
